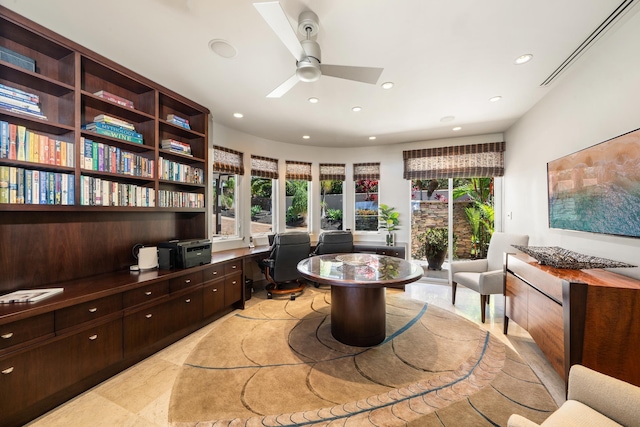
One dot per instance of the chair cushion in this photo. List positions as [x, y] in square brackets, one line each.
[575, 414]
[490, 282]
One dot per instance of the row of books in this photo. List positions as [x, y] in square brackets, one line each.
[17, 100]
[33, 187]
[176, 146]
[114, 128]
[101, 157]
[178, 121]
[102, 192]
[180, 199]
[19, 143]
[114, 98]
[174, 171]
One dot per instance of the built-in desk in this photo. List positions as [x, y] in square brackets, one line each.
[588, 317]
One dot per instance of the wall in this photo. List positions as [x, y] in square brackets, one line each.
[394, 190]
[595, 100]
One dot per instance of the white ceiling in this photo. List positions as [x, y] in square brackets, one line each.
[446, 58]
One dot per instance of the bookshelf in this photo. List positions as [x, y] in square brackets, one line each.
[108, 206]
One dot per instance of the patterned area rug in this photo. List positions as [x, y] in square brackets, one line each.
[277, 364]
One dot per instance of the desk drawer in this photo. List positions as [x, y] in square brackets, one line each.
[213, 272]
[232, 267]
[145, 293]
[88, 311]
[24, 330]
[185, 281]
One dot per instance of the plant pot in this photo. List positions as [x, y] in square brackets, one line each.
[436, 260]
[390, 239]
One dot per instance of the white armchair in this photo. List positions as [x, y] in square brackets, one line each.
[485, 276]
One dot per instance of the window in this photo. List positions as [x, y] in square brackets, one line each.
[365, 177]
[297, 200]
[228, 166]
[263, 173]
[332, 178]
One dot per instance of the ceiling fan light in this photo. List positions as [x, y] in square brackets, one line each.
[308, 70]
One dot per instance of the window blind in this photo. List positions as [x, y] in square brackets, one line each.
[333, 171]
[298, 170]
[462, 161]
[227, 161]
[368, 171]
[264, 167]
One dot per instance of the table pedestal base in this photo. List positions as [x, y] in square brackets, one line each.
[358, 315]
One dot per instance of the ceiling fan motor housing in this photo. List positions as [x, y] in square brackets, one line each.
[308, 69]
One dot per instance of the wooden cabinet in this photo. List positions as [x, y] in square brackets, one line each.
[588, 317]
[213, 297]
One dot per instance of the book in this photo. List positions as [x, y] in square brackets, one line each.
[4, 140]
[21, 143]
[9, 90]
[19, 101]
[4, 184]
[31, 295]
[173, 117]
[103, 118]
[118, 135]
[17, 59]
[114, 128]
[114, 98]
[14, 109]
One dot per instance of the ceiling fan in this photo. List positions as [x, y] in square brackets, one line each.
[309, 66]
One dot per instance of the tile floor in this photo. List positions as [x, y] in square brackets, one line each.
[139, 396]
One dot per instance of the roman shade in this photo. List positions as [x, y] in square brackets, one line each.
[333, 171]
[227, 161]
[298, 170]
[264, 167]
[462, 161]
[368, 171]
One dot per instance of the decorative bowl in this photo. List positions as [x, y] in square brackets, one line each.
[354, 259]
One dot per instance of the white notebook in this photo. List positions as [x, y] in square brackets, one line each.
[31, 295]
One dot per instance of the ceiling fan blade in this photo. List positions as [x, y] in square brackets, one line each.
[284, 87]
[276, 18]
[360, 74]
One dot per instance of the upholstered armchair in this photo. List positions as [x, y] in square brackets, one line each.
[593, 399]
[485, 276]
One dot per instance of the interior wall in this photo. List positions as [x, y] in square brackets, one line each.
[595, 100]
[394, 190]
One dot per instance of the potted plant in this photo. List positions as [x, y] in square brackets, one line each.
[435, 245]
[388, 220]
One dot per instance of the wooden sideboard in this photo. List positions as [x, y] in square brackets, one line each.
[588, 317]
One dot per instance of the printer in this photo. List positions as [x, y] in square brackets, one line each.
[184, 253]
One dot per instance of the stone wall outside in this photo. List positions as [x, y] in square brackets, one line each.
[432, 213]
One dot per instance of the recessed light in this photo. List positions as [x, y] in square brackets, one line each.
[446, 119]
[305, 137]
[222, 48]
[523, 59]
[313, 100]
[457, 128]
[495, 98]
[372, 138]
[387, 85]
[356, 109]
[238, 115]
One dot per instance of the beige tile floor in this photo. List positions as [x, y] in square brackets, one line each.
[139, 396]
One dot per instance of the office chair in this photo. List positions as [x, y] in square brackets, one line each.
[486, 276]
[333, 242]
[280, 269]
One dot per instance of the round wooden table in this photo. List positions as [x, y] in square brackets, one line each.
[358, 282]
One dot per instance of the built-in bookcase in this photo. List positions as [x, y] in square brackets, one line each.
[99, 237]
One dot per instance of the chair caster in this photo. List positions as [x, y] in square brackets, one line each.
[269, 295]
[293, 297]
[316, 285]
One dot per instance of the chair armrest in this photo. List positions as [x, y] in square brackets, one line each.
[473, 266]
[611, 397]
[516, 420]
[491, 282]
[269, 262]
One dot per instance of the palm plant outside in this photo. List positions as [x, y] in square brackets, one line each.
[480, 214]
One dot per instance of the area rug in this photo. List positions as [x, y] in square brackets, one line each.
[277, 364]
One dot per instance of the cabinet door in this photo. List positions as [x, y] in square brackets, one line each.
[232, 289]
[517, 300]
[187, 310]
[144, 328]
[213, 297]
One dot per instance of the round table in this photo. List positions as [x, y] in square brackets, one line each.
[358, 282]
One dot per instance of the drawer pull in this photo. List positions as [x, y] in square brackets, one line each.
[214, 272]
[147, 293]
[93, 310]
[148, 316]
[214, 290]
[8, 371]
[234, 282]
[187, 300]
[7, 335]
[187, 281]
[234, 267]
[93, 337]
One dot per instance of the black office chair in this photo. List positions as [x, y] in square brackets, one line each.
[281, 267]
[333, 242]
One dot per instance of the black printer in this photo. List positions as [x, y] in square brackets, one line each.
[184, 253]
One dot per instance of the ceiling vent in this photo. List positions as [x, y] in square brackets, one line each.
[606, 25]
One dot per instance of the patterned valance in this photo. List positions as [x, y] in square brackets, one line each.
[227, 161]
[368, 171]
[264, 167]
[333, 171]
[462, 161]
[298, 170]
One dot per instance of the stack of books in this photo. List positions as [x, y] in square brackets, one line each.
[114, 98]
[179, 121]
[176, 146]
[19, 101]
[115, 128]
